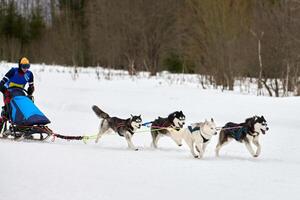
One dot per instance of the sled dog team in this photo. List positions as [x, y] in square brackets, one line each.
[196, 135]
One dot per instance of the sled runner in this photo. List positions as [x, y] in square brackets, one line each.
[21, 119]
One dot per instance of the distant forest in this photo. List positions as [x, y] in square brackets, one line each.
[221, 39]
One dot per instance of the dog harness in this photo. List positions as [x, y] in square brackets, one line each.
[238, 133]
[194, 129]
[127, 127]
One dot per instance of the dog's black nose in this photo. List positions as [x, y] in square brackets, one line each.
[267, 128]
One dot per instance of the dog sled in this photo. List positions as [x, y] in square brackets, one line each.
[21, 119]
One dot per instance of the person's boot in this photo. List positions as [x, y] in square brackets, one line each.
[28, 136]
[4, 114]
[1, 125]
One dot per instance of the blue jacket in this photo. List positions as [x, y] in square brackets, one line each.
[15, 77]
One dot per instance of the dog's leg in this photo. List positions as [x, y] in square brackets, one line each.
[129, 142]
[220, 141]
[189, 141]
[249, 147]
[176, 137]
[103, 128]
[155, 137]
[197, 141]
[192, 148]
[223, 140]
[100, 133]
[257, 144]
[204, 147]
[220, 145]
[199, 148]
[217, 150]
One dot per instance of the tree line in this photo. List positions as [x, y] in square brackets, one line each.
[221, 39]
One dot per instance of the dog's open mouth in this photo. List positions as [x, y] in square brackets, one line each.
[263, 131]
[181, 124]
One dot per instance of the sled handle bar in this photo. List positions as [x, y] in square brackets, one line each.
[18, 88]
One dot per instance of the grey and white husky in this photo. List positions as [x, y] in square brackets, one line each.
[198, 135]
[247, 132]
[169, 126]
[124, 127]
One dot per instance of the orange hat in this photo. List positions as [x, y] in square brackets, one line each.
[24, 60]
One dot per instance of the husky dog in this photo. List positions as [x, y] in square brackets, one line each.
[169, 126]
[247, 133]
[198, 135]
[124, 127]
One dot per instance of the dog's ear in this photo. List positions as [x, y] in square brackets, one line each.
[171, 116]
[131, 116]
[250, 123]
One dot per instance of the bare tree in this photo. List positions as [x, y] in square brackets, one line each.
[217, 28]
[257, 30]
[279, 22]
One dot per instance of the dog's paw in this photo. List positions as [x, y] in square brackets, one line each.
[255, 155]
[196, 156]
[153, 145]
[136, 149]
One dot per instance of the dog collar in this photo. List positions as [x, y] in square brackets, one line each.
[175, 128]
[257, 133]
[204, 139]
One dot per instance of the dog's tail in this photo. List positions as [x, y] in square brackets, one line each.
[100, 113]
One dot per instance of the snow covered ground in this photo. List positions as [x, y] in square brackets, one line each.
[108, 170]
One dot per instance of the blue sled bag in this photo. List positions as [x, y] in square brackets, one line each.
[24, 112]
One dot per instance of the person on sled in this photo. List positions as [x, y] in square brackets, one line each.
[14, 82]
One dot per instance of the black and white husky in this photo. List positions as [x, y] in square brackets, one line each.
[198, 135]
[247, 132]
[169, 126]
[124, 127]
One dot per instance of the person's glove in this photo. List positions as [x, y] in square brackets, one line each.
[2, 88]
[31, 97]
